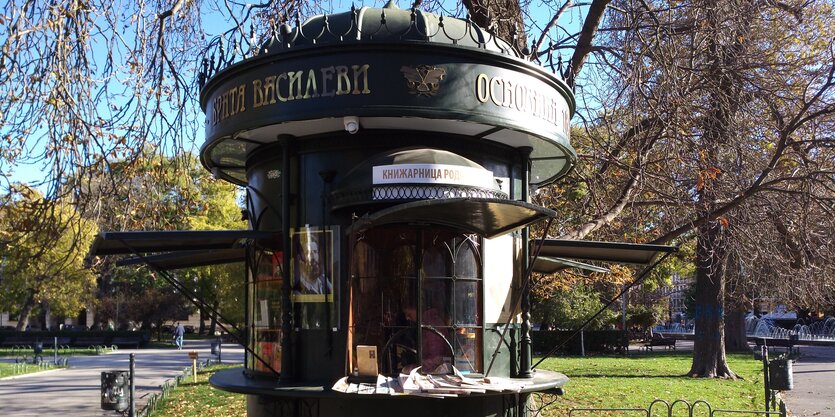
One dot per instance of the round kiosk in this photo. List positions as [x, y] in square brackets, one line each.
[392, 151]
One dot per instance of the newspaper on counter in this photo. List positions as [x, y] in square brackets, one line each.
[434, 386]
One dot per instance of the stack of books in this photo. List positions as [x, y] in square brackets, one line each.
[437, 386]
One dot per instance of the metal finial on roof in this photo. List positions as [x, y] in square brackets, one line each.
[220, 55]
[201, 76]
[253, 47]
[286, 30]
[526, 51]
[387, 24]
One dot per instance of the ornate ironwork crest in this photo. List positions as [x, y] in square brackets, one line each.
[423, 80]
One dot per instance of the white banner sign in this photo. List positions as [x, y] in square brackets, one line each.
[432, 174]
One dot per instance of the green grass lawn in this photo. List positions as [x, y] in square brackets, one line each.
[595, 382]
[47, 352]
[200, 399]
[9, 369]
[635, 381]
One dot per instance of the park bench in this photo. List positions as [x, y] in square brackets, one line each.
[88, 341]
[658, 340]
[789, 344]
[133, 341]
[18, 341]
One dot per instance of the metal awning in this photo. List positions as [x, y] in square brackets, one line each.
[629, 253]
[115, 243]
[188, 259]
[484, 216]
[549, 265]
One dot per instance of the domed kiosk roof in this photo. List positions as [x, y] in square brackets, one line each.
[386, 25]
[386, 70]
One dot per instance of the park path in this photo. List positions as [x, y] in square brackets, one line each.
[814, 380]
[76, 391]
[814, 383]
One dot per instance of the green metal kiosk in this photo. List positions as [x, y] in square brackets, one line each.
[388, 157]
[392, 151]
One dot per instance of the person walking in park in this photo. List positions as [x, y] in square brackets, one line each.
[179, 332]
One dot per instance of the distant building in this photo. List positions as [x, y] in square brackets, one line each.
[677, 293]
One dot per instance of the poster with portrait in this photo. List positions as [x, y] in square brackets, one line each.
[314, 267]
[314, 259]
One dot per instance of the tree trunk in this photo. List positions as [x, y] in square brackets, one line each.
[203, 317]
[503, 17]
[46, 314]
[709, 343]
[28, 305]
[213, 325]
[735, 338]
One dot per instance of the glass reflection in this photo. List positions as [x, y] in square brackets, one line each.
[416, 295]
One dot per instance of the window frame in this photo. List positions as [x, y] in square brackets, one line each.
[419, 235]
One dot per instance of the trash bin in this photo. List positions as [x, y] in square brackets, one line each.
[115, 387]
[780, 374]
[38, 348]
[216, 348]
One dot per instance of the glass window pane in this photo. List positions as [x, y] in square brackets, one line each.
[436, 350]
[366, 312]
[399, 296]
[435, 263]
[436, 302]
[365, 259]
[408, 310]
[467, 296]
[402, 261]
[437, 254]
[266, 312]
[466, 259]
[468, 350]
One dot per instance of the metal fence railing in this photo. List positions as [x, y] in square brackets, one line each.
[661, 408]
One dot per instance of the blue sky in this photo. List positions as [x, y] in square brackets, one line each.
[33, 171]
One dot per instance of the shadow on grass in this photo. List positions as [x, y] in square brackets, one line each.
[188, 383]
[612, 375]
[633, 356]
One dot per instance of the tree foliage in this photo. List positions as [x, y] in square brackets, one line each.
[712, 123]
[162, 193]
[42, 264]
[702, 122]
[569, 308]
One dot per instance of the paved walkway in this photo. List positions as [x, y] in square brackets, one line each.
[77, 391]
[814, 383]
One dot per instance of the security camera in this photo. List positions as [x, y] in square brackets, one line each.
[352, 124]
